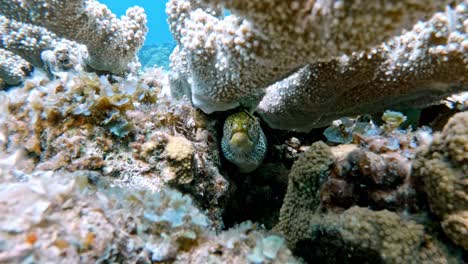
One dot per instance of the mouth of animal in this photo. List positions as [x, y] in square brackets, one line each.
[241, 143]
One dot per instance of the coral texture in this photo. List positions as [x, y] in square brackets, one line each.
[13, 69]
[80, 217]
[421, 66]
[112, 43]
[123, 128]
[224, 61]
[443, 168]
[362, 235]
[302, 197]
[356, 234]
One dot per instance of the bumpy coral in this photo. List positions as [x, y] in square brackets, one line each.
[227, 61]
[13, 69]
[419, 67]
[112, 43]
[40, 47]
[375, 171]
[243, 142]
[321, 222]
[302, 197]
[443, 168]
[362, 235]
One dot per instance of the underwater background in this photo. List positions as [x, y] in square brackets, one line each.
[156, 14]
[159, 42]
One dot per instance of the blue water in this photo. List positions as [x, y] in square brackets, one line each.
[155, 10]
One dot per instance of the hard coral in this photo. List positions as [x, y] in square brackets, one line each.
[323, 56]
[112, 43]
[321, 222]
[13, 69]
[443, 168]
[84, 122]
[302, 197]
[397, 73]
[362, 235]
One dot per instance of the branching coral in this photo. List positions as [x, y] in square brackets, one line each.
[112, 43]
[41, 47]
[227, 61]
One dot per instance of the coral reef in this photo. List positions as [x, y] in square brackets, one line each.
[375, 171]
[421, 66]
[443, 169]
[362, 235]
[326, 184]
[112, 43]
[102, 162]
[123, 128]
[80, 217]
[223, 62]
[13, 69]
[302, 197]
[243, 142]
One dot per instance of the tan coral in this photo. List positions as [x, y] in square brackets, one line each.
[359, 234]
[443, 168]
[180, 153]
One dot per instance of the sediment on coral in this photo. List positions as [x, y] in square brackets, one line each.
[112, 43]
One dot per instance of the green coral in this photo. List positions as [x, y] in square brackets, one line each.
[302, 197]
[243, 142]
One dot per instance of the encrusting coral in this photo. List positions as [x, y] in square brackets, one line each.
[112, 43]
[320, 218]
[363, 235]
[222, 62]
[443, 168]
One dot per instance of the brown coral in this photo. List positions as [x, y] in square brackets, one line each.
[443, 168]
[302, 197]
[360, 235]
